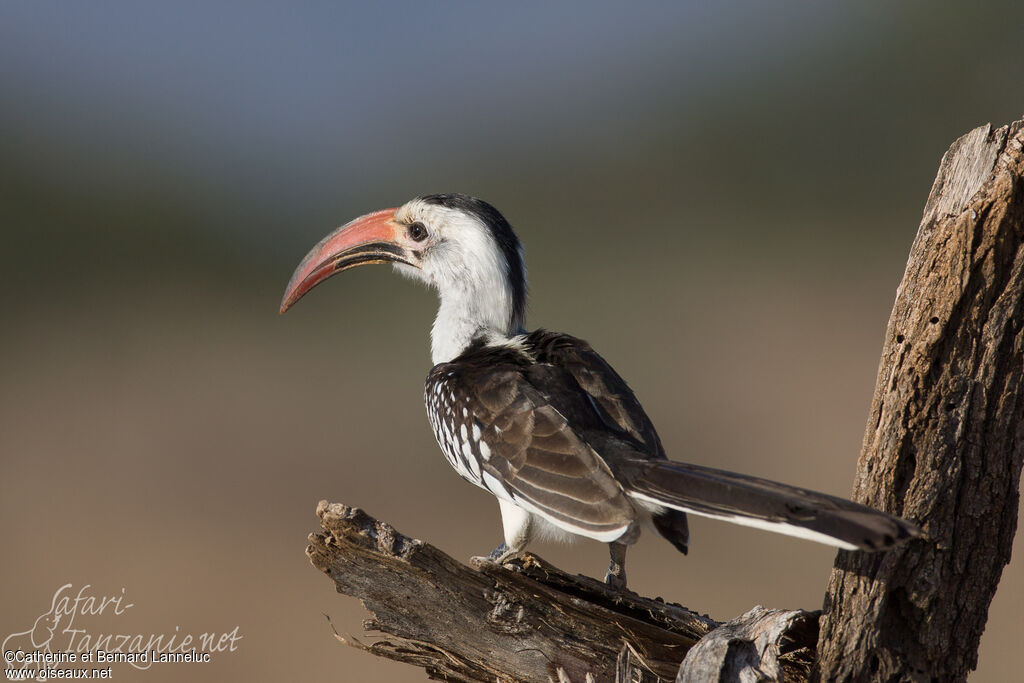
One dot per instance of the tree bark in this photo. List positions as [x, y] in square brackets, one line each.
[528, 621]
[945, 439]
[761, 645]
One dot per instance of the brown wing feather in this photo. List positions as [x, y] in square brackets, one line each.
[532, 450]
[618, 409]
[618, 405]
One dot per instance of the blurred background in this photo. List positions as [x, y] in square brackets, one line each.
[720, 197]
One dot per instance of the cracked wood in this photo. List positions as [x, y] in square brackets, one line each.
[945, 439]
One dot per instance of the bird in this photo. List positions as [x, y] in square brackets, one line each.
[539, 419]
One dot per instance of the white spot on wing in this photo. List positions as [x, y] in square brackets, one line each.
[474, 466]
[495, 486]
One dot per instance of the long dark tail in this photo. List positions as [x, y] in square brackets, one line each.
[765, 504]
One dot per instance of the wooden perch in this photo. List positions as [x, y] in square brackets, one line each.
[945, 439]
[944, 447]
[527, 620]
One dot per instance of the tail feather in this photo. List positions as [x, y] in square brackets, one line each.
[751, 501]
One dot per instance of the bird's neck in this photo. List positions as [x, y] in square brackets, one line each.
[470, 312]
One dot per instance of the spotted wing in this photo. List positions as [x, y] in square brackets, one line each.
[528, 452]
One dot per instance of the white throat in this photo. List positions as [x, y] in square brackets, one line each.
[467, 313]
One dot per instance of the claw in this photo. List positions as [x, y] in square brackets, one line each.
[499, 555]
[616, 582]
[616, 576]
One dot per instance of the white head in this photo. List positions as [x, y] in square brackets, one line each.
[461, 246]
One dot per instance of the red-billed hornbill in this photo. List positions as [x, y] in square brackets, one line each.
[539, 419]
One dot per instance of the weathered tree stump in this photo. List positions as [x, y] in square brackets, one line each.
[944, 447]
[945, 439]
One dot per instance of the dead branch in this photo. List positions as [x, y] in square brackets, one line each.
[524, 621]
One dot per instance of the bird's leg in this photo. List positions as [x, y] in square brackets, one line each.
[518, 527]
[503, 553]
[616, 576]
[498, 552]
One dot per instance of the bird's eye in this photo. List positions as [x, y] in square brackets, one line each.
[417, 231]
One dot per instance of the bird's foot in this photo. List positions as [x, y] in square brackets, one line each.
[616, 576]
[616, 581]
[500, 555]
